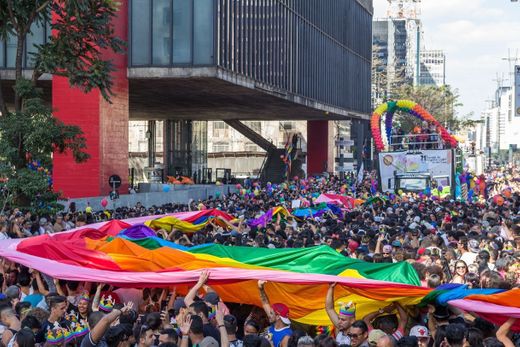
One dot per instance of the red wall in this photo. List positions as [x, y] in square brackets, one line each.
[317, 146]
[105, 126]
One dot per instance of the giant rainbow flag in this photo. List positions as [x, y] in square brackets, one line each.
[129, 254]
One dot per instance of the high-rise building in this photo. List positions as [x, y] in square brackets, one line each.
[432, 68]
[396, 47]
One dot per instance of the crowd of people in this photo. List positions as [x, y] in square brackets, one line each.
[476, 244]
[423, 136]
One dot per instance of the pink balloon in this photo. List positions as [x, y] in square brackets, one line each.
[104, 202]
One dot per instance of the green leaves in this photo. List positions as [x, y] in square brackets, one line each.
[442, 102]
[83, 33]
[33, 135]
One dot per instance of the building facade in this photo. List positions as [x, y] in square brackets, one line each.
[432, 68]
[397, 45]
[193, 61]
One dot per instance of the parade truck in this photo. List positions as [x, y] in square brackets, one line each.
[415, 162]
[417, 170]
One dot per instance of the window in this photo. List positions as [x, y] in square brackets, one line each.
[182, 21]
[287, 125]
[220, 147]
[220, 129]
[34, 38]
[203, 32]
[11, 50]
[255, 126]
[140, 32]
[251, 147]
[162, 22]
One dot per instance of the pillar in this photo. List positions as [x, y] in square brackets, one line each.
[320, 142]
[105, 127]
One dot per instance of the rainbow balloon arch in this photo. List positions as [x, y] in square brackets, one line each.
[407, 106]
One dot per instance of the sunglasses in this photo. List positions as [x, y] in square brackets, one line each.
[353, 336]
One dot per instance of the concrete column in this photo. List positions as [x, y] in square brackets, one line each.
[105, 126]
[320, 146]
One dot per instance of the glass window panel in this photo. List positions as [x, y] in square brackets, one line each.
[34, 38]
[11, 51]
[140, 32]
[182, 25]
[2, 50]
[162, 21]
[203, 32]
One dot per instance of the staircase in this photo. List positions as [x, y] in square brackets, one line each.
[273, 168]
[250, 134]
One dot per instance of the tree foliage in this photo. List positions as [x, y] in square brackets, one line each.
[82, 33]
[442, 103]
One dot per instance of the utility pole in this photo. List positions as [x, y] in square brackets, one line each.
[512, 62]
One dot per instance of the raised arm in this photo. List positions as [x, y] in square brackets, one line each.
[503, 331]
[403, 317]
[329, 305]
[41, 287]
[95, 301]
[188, 300]
[97, 333]
[265, 302]
[219, 317]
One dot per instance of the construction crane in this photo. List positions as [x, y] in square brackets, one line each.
[409, 9]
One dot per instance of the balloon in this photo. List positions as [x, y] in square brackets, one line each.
[166, 188]
[440, 188]
[238, 186]
[88, 209]
[104, 202]
[400, 192]
[217, 195]
[218, 183]
[507, 193]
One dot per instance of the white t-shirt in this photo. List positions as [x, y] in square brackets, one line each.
[469, 258]
[342, 339]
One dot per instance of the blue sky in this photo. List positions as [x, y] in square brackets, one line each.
[475, 35]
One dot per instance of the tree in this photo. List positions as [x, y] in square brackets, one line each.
[442, 103]
[29, 133]
[385, 79]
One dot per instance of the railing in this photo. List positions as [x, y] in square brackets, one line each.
[415, 142]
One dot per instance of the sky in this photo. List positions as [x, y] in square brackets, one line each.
[475, 35]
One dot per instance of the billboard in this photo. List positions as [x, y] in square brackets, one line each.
[517, 90]
[438, 163]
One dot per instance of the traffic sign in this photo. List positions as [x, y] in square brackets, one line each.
[114, 181]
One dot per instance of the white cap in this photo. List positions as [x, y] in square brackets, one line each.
[419, 331]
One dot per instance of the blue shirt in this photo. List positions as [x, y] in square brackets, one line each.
[278, 335]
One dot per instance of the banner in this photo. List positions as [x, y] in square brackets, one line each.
[517, 90]
[438, 163]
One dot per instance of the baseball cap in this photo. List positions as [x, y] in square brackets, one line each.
[396, 243]
[212, 298]
[283, 311]
[178, 304]
[208, 341]
[419, 331]
[473, 246]
[374, 336]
